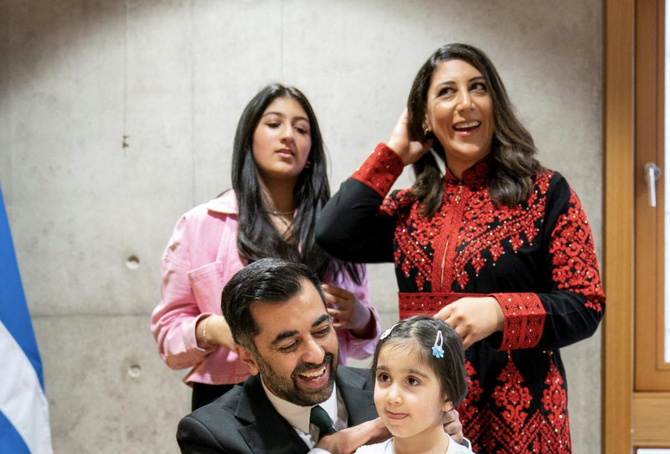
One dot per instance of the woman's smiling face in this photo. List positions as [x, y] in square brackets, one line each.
[459, 112]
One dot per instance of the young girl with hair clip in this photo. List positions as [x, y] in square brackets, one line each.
[279, 185]
[419, 376]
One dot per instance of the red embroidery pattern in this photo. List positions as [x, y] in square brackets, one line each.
[467, 411]
[513, 397]
[506, 425]
[574, 256]
[414, 237]
[524, 320]
[445, 252]
[421, 303]
[478, 227]
[553, 399]
[380, 170]
[486, 227]
[414, 254]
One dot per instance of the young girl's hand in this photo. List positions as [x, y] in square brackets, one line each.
[348, 313]
[473, 319]
[409, 150]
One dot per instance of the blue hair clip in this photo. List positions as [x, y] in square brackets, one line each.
[438, 351]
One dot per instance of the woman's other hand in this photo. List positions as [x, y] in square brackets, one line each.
[348, 313]
[409, 150]
[473, 319]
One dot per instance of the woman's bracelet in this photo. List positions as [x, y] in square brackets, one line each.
[204, 330]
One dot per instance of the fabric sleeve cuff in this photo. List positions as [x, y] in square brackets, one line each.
[190, 336]
[380, 170]
[524, 320]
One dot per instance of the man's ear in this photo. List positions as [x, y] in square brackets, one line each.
[248, 358]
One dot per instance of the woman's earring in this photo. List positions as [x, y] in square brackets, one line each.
[426, 131]
[307, 165]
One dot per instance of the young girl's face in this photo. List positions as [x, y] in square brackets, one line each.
[408, 395]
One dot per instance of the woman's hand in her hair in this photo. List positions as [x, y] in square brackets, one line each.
[409, 150]
[473, 319]
[348, 313]
[218, 333]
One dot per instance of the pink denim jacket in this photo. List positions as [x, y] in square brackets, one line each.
[198, 261]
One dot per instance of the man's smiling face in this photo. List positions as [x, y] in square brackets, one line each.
[296, 349]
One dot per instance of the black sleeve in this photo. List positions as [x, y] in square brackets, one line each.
[570, 303]
[195, 438]
[575, 303]
[351, 226]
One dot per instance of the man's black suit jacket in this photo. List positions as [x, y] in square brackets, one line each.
[244, 421]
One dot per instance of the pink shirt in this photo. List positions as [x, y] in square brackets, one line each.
[199, 260]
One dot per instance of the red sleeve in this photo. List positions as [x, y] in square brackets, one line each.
[524, 320]
[380, 170]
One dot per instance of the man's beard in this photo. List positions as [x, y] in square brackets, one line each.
[288, 388]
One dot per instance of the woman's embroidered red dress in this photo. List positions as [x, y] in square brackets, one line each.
[537, 259]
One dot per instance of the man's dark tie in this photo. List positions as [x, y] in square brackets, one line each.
[320, 419]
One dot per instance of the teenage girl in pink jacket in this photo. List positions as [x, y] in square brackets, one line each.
[279, 186]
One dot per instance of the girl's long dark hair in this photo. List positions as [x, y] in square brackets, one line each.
[513, 164]
[257, 237]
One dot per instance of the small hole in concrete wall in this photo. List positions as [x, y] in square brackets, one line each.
[135, 371]
[133, 262]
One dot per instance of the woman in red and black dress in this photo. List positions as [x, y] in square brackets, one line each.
[496, 245]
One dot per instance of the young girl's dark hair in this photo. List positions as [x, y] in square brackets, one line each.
[513, 163]
[257, 237]
[450, 369]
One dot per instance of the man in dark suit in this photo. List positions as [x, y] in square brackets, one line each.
[298, 399]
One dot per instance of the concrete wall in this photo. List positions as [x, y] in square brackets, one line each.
[116, 117]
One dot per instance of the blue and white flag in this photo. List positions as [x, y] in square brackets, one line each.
[24, 411]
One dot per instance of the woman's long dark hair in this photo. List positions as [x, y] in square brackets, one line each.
[257, 237]
[513, 164]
